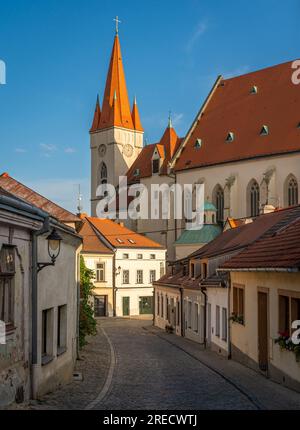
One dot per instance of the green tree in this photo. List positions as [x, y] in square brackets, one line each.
[87, 322]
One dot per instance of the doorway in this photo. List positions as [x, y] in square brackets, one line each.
[126, 306]
[100, 306]
[263, 329]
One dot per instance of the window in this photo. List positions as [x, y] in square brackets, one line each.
[158, 304]
[230, 137]
[264, 131]
[196, 317]
[198, 144]
[136, 172]
[178, 312]
[103, 173]
[152, 276]
[162, 306]
[289, 311]
[292, 192]
[6, 300]
[120, 240]
[139, 277]
[204, 270]
[47, 336]
[189, 314]
[61, 329]
[162, 269]
[125, 256]
[152, 256]
[254, 90]
[218, 201]
[224, 324]
[100, 272]
[125, 276]
[131, 241]
[253, 198]
[140, 256]
[218, 321]
[155, 166]
[168, 308]
[192, 270]
[239, 304]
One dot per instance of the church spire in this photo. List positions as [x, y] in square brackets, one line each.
[136, 117]
[116, 83]
[97, 116]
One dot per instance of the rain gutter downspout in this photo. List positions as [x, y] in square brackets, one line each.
[34, 303]
[203, 291]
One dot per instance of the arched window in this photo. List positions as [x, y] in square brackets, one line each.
[218, 200]
[103, 173]
[292, 191]
[253, 198]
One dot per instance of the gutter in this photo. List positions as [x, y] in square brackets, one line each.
[262, 269]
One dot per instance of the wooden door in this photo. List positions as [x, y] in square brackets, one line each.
[100, 306]
[263, 331]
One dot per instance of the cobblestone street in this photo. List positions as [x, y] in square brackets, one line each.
[132, 365]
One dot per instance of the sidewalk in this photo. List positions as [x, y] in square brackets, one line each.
[93, 365]
[263, 392]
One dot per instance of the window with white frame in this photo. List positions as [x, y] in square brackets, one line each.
[218, 321]
[189, 314]
[224, 324]
[125, 276]
[100, 272]
[152, 256]
[139, 277]
[152, 276]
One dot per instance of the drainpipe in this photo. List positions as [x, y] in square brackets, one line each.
[114, 285]
[203, 291]
[34, 304]
[228, 317]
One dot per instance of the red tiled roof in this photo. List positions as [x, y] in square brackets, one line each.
[15, 188]
[233, 108]
[279, 250]
[121, 237]
[91, 242]
[244, 235]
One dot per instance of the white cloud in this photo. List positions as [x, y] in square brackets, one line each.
[177, 119]
[236, 72]
[47, 148]
[63, 192]
[70, 150]
[199, 31]
[20, 150]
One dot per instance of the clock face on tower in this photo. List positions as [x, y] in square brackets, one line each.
[102, 150]
[128, 150]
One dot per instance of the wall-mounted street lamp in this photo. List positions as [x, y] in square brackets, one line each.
[54, 243]
[118, 270]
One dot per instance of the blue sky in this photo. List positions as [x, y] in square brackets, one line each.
[57, 53]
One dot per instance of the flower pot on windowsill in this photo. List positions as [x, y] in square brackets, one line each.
[285, 343]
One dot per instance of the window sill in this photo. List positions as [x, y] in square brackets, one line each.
[46, 359]
[60, 351]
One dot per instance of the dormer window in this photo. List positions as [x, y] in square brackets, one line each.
[264, 131]
[198, 144]
[155, 166]
[298, 126]
[120, 240]
[230, 137]
[254, 90]
[136, 172]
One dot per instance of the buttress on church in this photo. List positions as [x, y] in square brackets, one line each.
[243, 145]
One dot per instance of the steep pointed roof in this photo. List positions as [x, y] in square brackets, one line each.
[136, 117]
[170, 141]
[116, 86]
[97, 116]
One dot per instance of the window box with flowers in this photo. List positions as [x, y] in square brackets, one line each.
[238, 319]
[286, 344]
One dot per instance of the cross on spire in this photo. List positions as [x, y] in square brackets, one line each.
[117, 21]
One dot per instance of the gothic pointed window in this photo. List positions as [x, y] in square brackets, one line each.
[218, 201]
[253, 198]
[103, 174]
[292, 191]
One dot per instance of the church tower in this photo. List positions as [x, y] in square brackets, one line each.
[116, 135]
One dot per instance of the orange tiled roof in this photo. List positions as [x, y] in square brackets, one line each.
[166, 148]
[116, 106]
[15, 188]
[121, 237]
[91, 242]
[234, 108]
